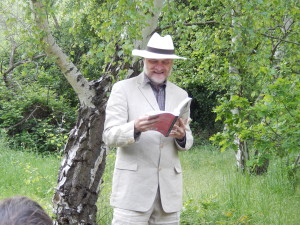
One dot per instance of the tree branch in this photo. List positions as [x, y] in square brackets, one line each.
[212, 22]
[57, 26]
[273, 37]
[13, 51]
[297, 161]
[13, 66]
[146, 34]
[70, 71]
[26, 118]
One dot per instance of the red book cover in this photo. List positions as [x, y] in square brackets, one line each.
[165, 123]
[168, 119]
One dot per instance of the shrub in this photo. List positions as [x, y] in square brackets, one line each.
[35, 117]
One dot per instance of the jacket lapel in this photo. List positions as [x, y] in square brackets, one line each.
[170, 101]
[147, 92]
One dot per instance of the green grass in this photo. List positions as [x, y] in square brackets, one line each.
[28, 174]
[214, 192]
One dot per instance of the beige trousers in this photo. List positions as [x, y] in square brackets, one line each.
[154, 216]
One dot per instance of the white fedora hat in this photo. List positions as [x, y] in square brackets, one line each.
[158, 47]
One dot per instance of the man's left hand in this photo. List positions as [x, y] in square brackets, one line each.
[178, 130]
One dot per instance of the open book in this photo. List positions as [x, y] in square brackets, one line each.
[168, 119]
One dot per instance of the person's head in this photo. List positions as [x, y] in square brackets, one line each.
[158, 57]
[21, 210]
[158, 70]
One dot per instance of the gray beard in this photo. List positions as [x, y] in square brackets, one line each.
[156, 81]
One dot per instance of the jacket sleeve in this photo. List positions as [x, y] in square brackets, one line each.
[118, 131]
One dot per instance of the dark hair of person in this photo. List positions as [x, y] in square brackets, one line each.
[21, 210]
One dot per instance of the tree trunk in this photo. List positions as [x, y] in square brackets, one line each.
[83, 165]
[84, 162]
[81, 171]
[242, 154]
[260, 169]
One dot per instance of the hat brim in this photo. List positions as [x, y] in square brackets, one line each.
[150, 55]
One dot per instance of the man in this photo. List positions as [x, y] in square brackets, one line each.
[147, 181]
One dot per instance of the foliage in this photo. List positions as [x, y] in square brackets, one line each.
[262, 102]
[248, 52]
[40, 119]
[90, 32]
[100, 30]
[36, 108]
[203, 119]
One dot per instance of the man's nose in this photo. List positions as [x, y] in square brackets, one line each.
[159, 66]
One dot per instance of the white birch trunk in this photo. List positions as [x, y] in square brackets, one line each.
[242, 154]
[148, 30]
[146, 34]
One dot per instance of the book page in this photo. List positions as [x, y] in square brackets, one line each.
[183, 108]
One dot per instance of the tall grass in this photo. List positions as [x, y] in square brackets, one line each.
[28, 173]
[214, 192]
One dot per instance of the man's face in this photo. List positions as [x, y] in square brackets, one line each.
[158, 70]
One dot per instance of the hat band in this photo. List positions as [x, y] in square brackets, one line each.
[160, 51]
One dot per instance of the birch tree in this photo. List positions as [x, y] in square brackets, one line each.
[244, 50]
[263, 43]
[84, 161]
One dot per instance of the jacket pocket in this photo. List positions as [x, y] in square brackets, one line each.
[123, 165]
[178, 169]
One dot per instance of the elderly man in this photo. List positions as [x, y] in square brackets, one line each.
[147, 180]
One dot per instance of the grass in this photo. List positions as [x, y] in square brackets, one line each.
[28, 174]
[214, 192]
[221, 195]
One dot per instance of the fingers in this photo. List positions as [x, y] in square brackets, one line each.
[182, 122]
[145, 123]
[178, 130]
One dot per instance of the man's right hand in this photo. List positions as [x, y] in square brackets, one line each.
[144, 123]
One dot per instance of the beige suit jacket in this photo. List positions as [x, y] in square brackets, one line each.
[150, 162]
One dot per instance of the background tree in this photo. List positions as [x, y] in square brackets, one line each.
[239, 63]
[264, 32]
